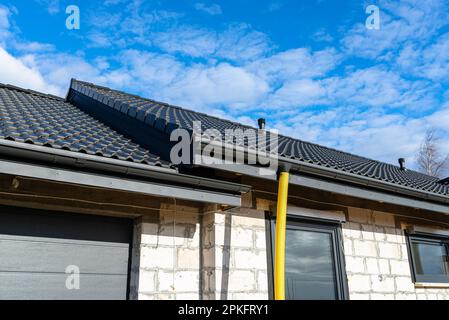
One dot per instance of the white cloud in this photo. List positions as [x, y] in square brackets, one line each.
[430, 62]
[212, 9]
[187, 40]
[132, 25]
[402, 22]
[375, 87]
[8, 34]
[149, 71]
[32, 46]
[4, 18]
[297, 93]
[59, 68]
[113, 2]
[323, 36]
[53, 6]
[295, 64]
[275, 6]
[218, 85]
[15, 72]
[372, 134]
[237, 43]
[197, 85]
[99, 40]
[380, 88]
[4, 24]
[240, 42]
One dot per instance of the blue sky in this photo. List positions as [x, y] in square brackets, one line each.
[311, 68]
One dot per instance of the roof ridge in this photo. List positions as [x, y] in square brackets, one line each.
[215, 117]
[164, 104]
[30, 91]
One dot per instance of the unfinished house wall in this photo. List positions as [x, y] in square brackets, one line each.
[166, 255]
[235, 255]
[212, 255]
[377, 262]
[189, 253]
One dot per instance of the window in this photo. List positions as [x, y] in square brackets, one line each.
[313, 262]
[429, 258]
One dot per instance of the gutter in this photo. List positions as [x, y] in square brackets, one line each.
[338, 187]
[316, 170]
[84, 161]
[44, 172]
[334, 174]
[363, 193]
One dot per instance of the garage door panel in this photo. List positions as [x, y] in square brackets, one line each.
[36, 247]
[26, 254]
[38, 223]
[34, 286]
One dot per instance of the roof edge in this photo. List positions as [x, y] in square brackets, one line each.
[91, 162]
[345, 178]
[340, 175]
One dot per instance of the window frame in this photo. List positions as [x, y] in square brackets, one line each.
[419, 237]
[318, 225]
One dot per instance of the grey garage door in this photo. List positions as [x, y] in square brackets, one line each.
[63, 256]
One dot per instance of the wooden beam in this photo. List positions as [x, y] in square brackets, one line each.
[50, 195]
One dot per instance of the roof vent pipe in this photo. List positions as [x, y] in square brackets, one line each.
[261, 123]
[401, 163]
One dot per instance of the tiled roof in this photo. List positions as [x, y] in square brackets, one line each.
[30, 117]
[165, 117]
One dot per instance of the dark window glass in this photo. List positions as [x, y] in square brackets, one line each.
[309, 265]
[313, 262]
[429, 257]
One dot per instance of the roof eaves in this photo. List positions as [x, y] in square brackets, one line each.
[335, 174]
[80, 160]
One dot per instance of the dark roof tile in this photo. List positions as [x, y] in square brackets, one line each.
[31, 117]
[165, 117]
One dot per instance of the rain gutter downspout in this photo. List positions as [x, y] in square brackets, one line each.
[281, 224]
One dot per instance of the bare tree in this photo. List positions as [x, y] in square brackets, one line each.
[429, 158]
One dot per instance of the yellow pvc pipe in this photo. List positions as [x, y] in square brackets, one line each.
[279, 251]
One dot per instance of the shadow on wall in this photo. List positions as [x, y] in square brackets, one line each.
[226, 257]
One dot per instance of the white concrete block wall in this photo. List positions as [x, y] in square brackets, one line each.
[377, 262]
[235, 256]
[227, 259]
[166, 263]
[220, 255]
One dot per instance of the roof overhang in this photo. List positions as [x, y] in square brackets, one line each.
[317, 170]
[373, 195]
[116, 183]
[71, 167]
[328, 181]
